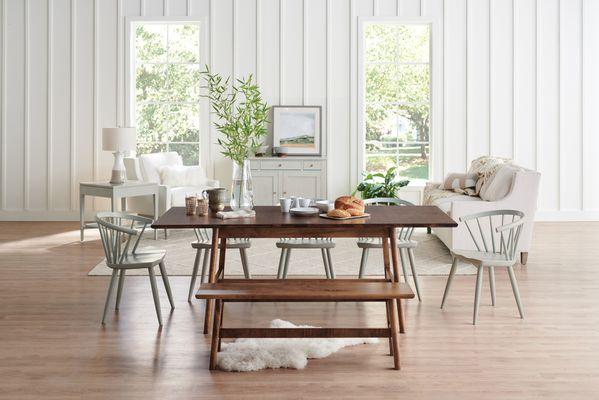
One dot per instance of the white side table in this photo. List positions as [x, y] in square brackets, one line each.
[114, 192]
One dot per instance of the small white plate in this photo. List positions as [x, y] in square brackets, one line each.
[304, 211]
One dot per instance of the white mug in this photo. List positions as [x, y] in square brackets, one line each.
[305, 202]
[285, 204]
[297, 202]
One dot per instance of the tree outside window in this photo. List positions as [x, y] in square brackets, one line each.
[397, 103]
[167, 88]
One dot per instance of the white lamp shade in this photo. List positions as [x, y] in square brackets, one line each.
[119, 139]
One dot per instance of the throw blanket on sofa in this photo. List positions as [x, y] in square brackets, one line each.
[485, 167]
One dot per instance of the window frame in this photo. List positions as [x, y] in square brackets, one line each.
[435, 61]
[129, 92]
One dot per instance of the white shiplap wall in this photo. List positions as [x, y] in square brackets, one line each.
[519, 80]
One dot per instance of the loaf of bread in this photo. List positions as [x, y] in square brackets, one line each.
[354, 212]
[347, 202]
[339, 214]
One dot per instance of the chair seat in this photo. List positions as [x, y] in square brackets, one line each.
[483, 258]
[375, 243]
[307, 243]
[145, 258]
[231, 244]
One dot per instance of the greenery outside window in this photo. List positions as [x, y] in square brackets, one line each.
[396, 96]
[165, 90]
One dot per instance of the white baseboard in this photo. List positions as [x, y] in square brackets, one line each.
[567, 215]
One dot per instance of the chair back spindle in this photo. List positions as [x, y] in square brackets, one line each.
[116, 231]
[404, 234]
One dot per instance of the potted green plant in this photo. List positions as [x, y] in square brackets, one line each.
[242, 116]
[380, 185]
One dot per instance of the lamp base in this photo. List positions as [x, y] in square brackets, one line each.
[118, 177]
[119, 174]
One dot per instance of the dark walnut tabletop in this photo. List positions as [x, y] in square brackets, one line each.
[272, 217]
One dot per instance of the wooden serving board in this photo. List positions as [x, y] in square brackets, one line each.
[366, 215]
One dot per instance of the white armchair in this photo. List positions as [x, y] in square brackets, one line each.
[146, 168]
[521, 195]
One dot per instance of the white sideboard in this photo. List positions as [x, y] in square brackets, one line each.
[275, 177]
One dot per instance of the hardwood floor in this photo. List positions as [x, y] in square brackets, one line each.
[52, 345]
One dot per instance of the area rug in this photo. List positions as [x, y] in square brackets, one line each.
[431, 257]
[256, 354]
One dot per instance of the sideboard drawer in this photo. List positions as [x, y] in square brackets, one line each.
[272, 164]
[313, 165]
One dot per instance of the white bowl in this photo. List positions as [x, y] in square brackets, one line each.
[325, 205]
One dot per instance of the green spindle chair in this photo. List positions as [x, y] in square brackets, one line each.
[495, 235]
[117, 231]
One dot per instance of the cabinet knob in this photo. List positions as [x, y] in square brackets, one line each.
[311, 165]
[280, 165]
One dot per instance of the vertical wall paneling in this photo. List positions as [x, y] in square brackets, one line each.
[455, 102]
[73, 189]
[590, 104]
[3, 185]
[292, 52]
[315, 60]
[478, 121]
[245, 45]
[385, 8]
[26, 124]
[570, 129]
[548, 69]
[410, 8]
[329, 91]
[501, 78]
[37, 128]
[525, 88]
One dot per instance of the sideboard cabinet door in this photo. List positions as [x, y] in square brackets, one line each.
[266, 188]
[307, 184]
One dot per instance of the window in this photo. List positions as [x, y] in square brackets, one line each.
[396, 97]
[165, 87]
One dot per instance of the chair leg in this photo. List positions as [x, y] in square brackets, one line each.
[510, 271]
[325, 263]
[404, 269]
[165, 234]
[155, 294]
[363, 262]
[523, 257]
[244, 263]
[414, 273]
[479, 285]
[492, 284]
[119, 290]
[110, 287]
[167, 284]
[330, 260]
[281, 264]
[286, 267]
[428, 230]
[205, 265]
[454, 266]
[194, 274]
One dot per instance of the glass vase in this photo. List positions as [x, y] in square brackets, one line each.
[242, 194]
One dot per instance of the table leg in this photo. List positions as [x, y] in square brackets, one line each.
[113, 203]
[396, 278]
[386, 262]
[123, 204]
[211, 278]
[221, 259]
[215, 334]
[82, 214]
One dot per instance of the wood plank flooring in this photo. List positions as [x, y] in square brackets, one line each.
[52, 345]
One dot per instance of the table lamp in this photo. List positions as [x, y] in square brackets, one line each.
[118, 140]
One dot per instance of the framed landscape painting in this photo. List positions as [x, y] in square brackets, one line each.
[298, 128]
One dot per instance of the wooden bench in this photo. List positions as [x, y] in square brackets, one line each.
[305, 290]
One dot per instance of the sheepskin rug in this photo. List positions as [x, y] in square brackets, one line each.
[256, 354]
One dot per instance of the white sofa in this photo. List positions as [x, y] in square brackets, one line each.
[521, 195]
[147, 168]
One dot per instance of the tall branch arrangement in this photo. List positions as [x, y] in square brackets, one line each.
[242, 114]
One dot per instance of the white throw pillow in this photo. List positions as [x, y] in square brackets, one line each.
[499, 183]
[181, 175]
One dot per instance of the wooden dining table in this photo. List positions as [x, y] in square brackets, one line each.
[270, 222]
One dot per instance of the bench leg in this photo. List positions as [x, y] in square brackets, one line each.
[387, 305]
[394, 333]
[215, 334]
[401, 317]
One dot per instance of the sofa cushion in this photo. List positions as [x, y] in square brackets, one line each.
[459, 181]
[150, 164]
[445, 200]
[499, 184]
[182, 175]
